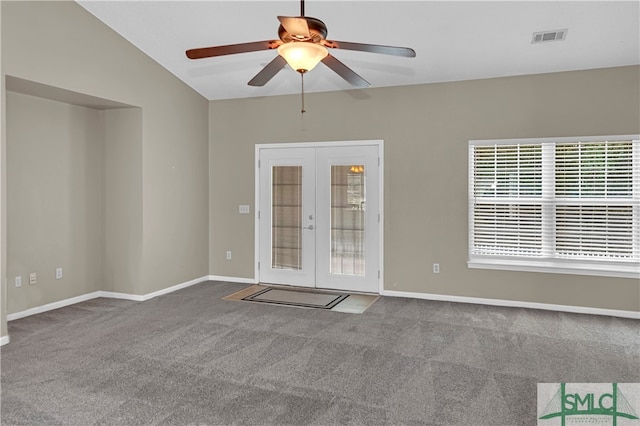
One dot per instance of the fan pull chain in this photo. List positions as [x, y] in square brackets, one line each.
[302, 80]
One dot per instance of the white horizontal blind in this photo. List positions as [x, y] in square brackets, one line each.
[594, 232]
[507, 229]
[594, 200]
[507, 187]
[594, 170]
[547, 199]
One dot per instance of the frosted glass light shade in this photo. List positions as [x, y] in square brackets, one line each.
[302, 56]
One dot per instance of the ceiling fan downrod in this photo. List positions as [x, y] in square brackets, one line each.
[302, 111]
[301, 7]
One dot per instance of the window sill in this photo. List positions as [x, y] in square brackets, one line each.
[557, 267]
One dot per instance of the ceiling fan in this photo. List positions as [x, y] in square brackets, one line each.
[302, 44]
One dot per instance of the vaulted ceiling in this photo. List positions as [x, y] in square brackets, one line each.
[453, 40]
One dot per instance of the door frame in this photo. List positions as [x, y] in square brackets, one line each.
[379, 143]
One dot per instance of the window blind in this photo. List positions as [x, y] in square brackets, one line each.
[507, 192]
[560, 199]
[595, 203]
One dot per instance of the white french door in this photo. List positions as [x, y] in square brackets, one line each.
[287, 216]
[319, 213]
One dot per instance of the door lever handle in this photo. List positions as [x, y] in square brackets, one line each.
[309, 227]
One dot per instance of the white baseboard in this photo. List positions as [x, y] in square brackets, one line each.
[232, 279]
[4, 340]
[109, 294]
[427, 296]
[52, 306]
[173, 288]
[124, 296]
[514, 304]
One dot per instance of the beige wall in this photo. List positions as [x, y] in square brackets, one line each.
[426, 130]
[121, 130]
[3, 199]
[54, 200]
[164, 183]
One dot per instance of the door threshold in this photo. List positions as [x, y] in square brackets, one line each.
[317, 289]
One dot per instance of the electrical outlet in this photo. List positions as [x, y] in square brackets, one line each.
[33, 278]
[228, 254]
[58, 273]
[436, 268]
[18, 281]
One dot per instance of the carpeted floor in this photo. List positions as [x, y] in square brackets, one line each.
[191, 358]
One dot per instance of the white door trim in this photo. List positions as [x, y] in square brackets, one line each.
[378, 142]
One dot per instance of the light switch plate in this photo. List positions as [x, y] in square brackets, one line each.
[243, 209]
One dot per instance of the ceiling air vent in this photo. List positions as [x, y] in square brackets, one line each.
[545, 36]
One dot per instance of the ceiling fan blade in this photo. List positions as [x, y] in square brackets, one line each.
[295, 26]
[372, 48]
[268, 72]
[345, 72]
[231, 49]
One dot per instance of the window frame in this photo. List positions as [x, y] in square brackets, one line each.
[548, 261]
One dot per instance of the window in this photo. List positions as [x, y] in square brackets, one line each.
[566, 205]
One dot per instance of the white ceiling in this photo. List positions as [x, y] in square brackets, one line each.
[453, 40]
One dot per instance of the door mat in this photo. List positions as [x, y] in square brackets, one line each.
[306, 298]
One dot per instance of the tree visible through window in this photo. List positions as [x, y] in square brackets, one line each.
[556, 203]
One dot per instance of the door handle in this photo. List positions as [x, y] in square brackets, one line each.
[310, 227]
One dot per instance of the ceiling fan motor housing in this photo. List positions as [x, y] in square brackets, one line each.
[317, 32]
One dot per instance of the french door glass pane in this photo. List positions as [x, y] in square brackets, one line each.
[347, 220]
[286, 214]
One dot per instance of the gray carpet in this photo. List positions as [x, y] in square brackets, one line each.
[190, 358]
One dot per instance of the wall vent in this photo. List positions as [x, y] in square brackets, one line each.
[545, 36]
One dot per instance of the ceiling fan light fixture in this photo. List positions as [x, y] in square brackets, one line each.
[302, 56]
